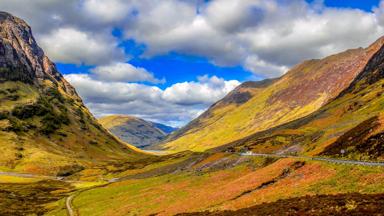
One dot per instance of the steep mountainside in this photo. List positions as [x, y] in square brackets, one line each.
[135, 131]
[350, 126]
[258, 106]
[44, 125]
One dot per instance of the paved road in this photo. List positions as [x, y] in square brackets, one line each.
[330, 160]
[29, 175]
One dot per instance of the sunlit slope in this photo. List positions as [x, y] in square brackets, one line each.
[44, 125]
[226, 182]
[257, 106]
[349, 126]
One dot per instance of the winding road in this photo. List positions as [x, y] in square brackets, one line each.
[330, 160]
[29, 175]
[68, 205]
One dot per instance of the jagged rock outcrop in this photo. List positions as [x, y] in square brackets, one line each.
[21, 59]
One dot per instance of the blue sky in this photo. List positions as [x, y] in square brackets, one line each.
[175, 67]
[169, 61]
[366, 5]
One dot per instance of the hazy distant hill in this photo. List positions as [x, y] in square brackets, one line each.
[136, 131]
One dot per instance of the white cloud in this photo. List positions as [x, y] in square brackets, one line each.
[70, 45]
[107, 11]
[175, 105]
[206, 91]
[277, 34]
[96, 91]
[124, 72]
[253, 63]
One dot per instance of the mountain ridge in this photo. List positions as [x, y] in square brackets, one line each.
[301, 91]
[350, 125]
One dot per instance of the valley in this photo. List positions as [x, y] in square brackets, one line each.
[309, 142]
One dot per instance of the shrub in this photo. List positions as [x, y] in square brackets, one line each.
[69, 170]
[92, 142]
[50, 124]
[4, 115]
[28, 111]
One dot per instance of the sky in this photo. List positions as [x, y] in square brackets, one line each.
[168, 61]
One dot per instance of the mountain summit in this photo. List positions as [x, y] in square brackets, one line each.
[22, 59]
[44, 125]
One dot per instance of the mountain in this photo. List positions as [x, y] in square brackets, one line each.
[136, 131]
[350, 125]
[258, 106]
[44, 125]
[165, 128]
[316, 164]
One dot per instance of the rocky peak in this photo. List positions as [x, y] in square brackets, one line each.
[21, 59]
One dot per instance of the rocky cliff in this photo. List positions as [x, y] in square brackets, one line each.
[44, 126]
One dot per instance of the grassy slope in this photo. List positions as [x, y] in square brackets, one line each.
[227, 188]
[300, 92]
[30, 144]
[115, 120]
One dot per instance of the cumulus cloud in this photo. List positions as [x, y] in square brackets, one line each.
[107, 11]
[276, 34]
[70, 45]
[96, 91]
[206, 91]
[175, 105]
[124, 72]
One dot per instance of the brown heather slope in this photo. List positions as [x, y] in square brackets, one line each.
[340, 204]
[44, 125]
[351, 125]
[258, 106]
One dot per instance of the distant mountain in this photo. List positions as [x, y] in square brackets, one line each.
[136, 131]
[44, 125]
[257, 106]
[165, 128]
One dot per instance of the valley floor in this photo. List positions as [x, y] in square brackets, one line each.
[214, 182]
